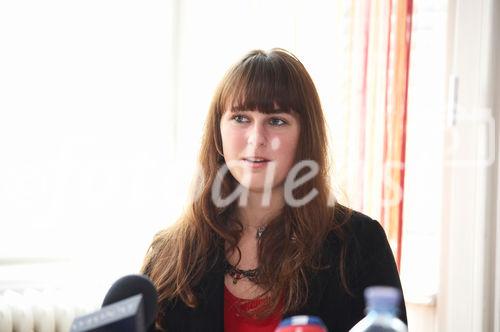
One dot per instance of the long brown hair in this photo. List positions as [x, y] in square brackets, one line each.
[289, 249]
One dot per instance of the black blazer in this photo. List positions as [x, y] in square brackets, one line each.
[369, 262]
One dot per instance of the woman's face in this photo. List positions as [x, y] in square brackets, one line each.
[256, 143]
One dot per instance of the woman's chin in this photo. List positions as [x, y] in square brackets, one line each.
[261, 188]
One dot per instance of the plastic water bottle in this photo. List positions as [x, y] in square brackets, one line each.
[301, 323]
[382, 306]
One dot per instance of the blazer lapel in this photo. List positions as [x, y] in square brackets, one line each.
[212, 317]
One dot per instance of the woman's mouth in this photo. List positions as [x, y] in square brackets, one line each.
[256, 162]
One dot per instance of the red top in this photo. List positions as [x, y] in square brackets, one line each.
[236, 322]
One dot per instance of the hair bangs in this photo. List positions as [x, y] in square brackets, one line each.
[262, 83]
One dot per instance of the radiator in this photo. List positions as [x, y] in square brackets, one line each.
[33, 310]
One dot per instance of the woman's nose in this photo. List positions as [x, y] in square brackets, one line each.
[257, 136]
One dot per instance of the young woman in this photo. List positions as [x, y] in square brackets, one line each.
[263, 238]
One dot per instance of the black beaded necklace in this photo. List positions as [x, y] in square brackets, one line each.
[238, 274]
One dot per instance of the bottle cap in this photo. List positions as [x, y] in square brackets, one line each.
[306, 323]
[382, 297]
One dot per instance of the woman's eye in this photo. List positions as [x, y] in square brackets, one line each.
[277, 122]
[240, 119]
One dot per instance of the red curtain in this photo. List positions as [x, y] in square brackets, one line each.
[375, 108]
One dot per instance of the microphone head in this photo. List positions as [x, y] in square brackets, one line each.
[131, 285]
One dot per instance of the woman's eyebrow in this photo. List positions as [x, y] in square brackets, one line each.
[245, 108]
[276, 111]
[236, 109]
[287, 113]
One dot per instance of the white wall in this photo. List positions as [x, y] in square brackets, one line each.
[495, 208]
[465, 301]
[85, 136]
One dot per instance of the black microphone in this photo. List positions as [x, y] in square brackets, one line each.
[129, 305]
